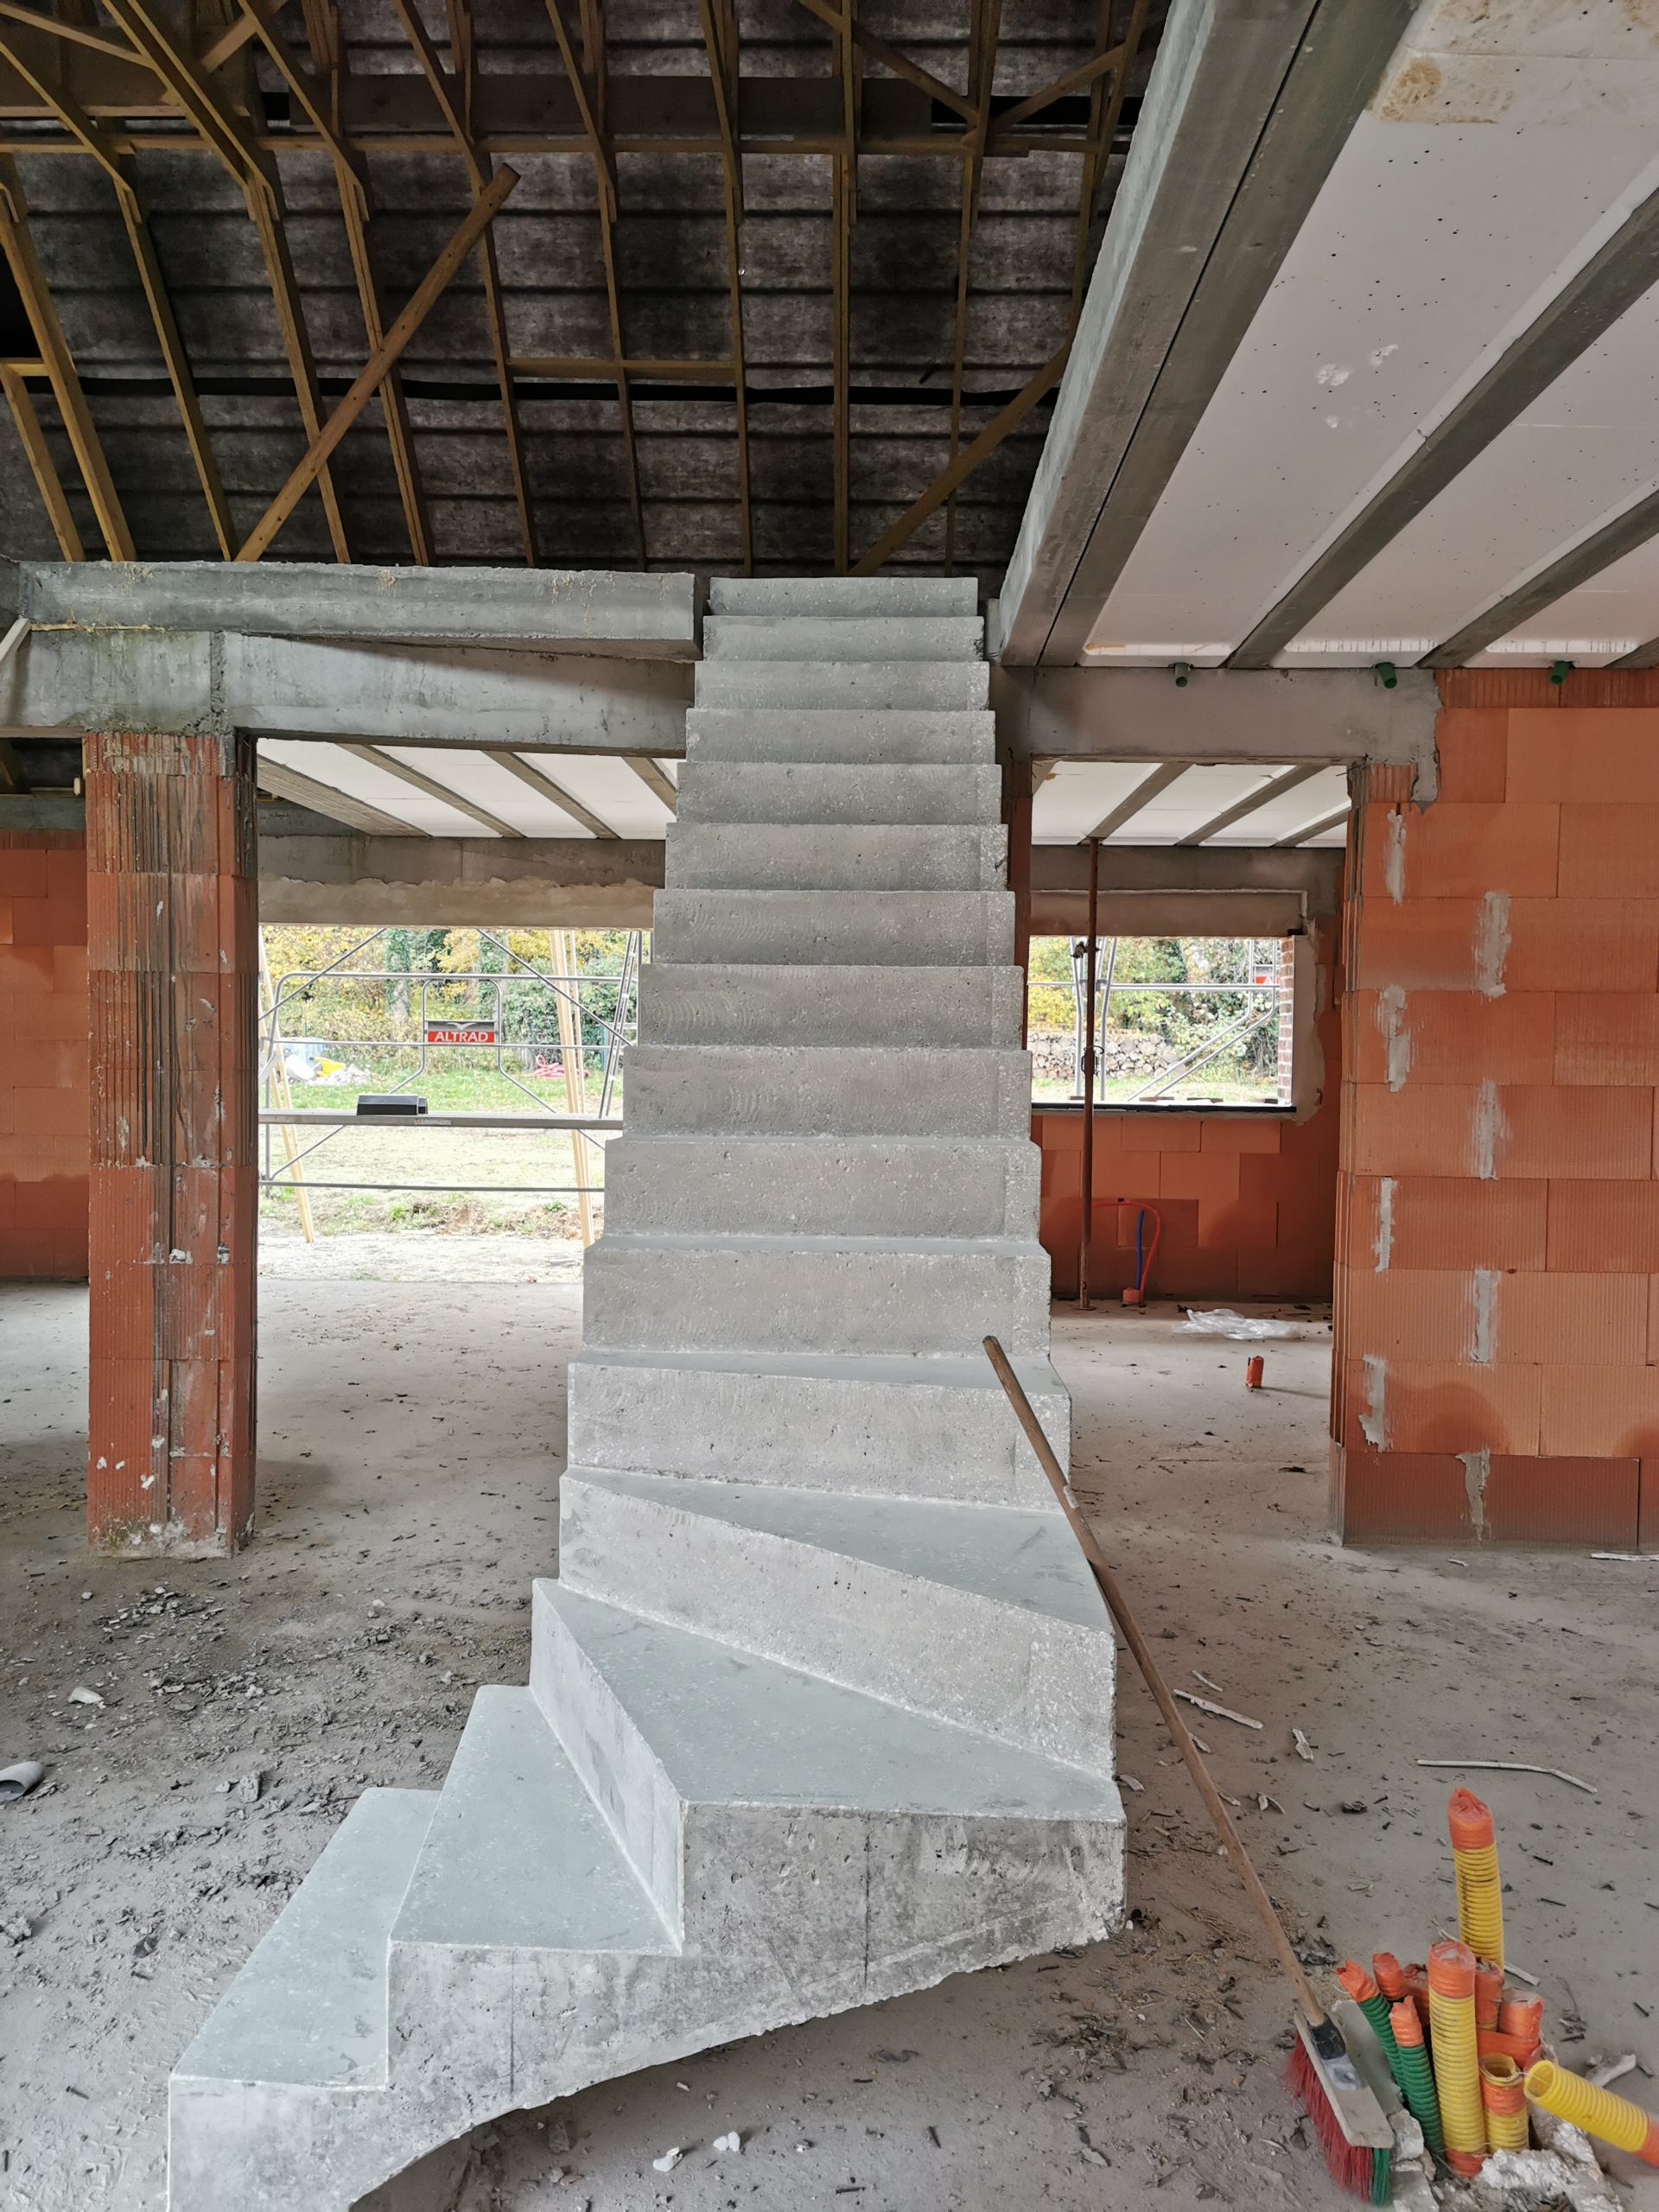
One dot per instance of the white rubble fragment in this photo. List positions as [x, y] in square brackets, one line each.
[1538, 2180]
[732, 2142]
[669, 2160]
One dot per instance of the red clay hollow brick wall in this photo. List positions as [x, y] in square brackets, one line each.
[1248, 1198]
[1498, 1266]
[43, 1052]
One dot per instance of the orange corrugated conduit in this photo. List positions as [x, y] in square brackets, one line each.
[1474, 1857]
[1504, 2097]
[1451, 2043]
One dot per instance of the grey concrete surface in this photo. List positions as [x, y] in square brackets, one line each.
[868, 1770]
[591, 610]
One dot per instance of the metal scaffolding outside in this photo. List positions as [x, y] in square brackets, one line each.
[496, 1033]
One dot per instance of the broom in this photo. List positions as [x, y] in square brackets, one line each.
[1353, 2130]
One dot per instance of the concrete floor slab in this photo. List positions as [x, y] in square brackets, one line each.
[411, 1437]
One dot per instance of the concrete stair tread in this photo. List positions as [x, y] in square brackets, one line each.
[918, 1370]
[309, 2008]
[1013, 1556]
[848, 597]
[731, 1729]
[870, 636]
[927, 1247]
[519, 1855]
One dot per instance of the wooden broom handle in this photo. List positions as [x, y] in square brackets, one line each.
[1232, 1841]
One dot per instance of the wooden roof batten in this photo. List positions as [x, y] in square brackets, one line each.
[255, 85]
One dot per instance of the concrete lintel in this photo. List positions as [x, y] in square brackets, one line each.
[453, 882]
[188, 681]
[1313, 877]
[1273, 716]
[1170, 913]
[595, 611]
[1246, 110]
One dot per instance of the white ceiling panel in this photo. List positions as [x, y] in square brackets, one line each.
[1431, 246]
[1597, 623]
[1588, 448]
[345, 771]
[1282, 816]
[1195, 797]
[1080, 793]
[477, 777]
[611, 788]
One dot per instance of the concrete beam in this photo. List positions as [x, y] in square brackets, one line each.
[1246, 108]
[1169, 913]
[1155, 870]
[590, 611]
[1274, 715]
[456, 882]
[192, 681]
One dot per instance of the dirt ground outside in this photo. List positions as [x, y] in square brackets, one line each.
[412, 1432]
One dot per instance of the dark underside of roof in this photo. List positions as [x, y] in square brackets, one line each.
[796, 313]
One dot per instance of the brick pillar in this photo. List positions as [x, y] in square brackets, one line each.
[1498, 1326]
[171, 955]
[43, 1023]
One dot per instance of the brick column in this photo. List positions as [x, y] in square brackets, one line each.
[1497, 1325]
[43, 1099]
[171, 955]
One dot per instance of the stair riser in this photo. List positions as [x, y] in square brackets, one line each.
[792, 1913]
[832, 856]
[617, 1766]
[843, 597]
[839, 929]
[811, 1431]
[667, 1298]
[819, 637]
[483, 2033]
[1043, 1684]
[683, 1003]
[821, 736]
[870, 1187]
[918, 686]
[805, 1091]
[729, 790]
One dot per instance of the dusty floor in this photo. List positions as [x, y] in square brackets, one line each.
[411, 1434]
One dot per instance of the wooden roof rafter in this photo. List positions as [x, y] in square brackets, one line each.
[453, 99]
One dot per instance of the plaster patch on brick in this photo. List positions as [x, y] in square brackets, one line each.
[1490, 1127]
[1383, 1245]
[1492, 943]
[1394, 857]
[1396, 1038]
[1484, 1335]
[1477, 1472]
[1373, 1422]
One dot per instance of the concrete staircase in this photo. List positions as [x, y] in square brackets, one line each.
[820, 1705]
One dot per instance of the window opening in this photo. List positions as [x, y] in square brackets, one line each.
[1179, 1021]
